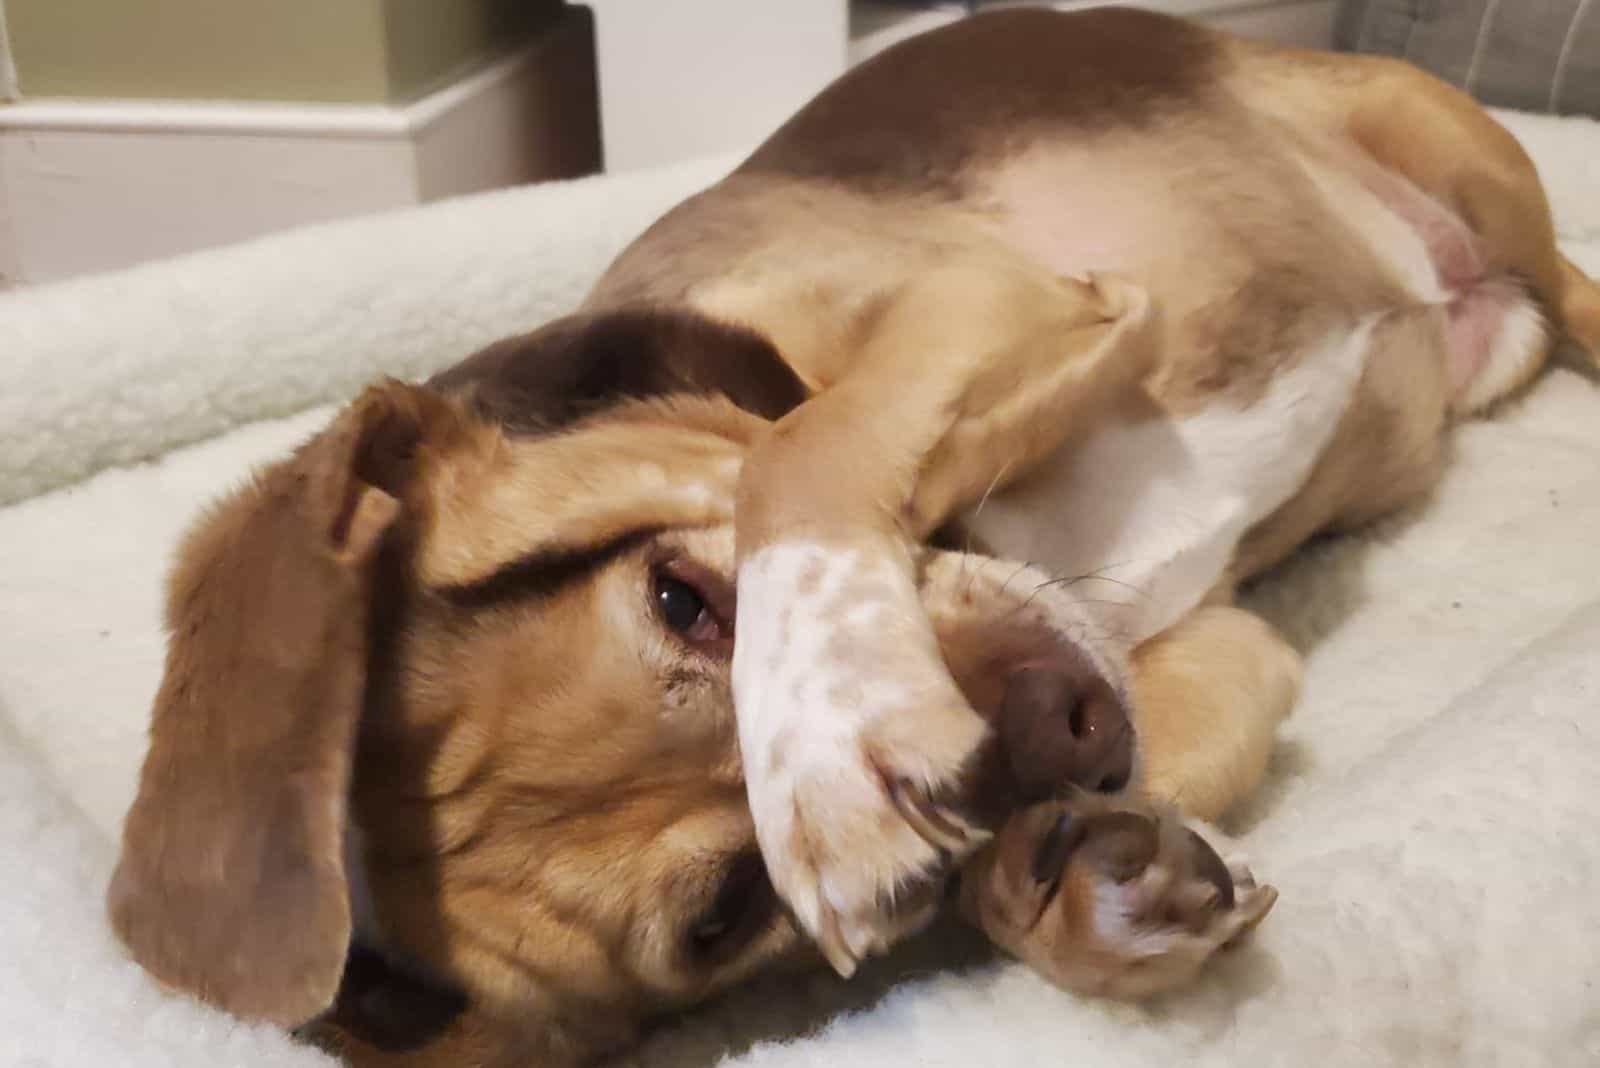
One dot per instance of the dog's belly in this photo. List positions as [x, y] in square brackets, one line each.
[1269, 300]
[1143, 516]
[1077, 208]
[1200, 231]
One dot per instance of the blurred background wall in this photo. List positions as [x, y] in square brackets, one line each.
[146, 128]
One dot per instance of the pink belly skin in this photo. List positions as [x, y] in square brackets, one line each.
[1492, 328]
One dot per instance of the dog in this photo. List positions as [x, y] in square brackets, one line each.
[972, 395]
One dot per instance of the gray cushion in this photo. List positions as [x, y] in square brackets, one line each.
[1539, 55]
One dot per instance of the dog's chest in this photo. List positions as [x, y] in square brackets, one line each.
[1141, 519]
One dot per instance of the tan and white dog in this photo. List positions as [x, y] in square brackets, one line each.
[971, 396]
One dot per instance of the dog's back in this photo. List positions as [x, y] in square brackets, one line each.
[1307, 290]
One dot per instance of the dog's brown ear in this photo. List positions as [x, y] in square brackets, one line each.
[580, 365]
[231, 884]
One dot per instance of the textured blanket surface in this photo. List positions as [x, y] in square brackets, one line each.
[1429, 817]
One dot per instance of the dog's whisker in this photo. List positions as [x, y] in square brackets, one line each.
[966, 550]
[1020, 569]
[1103, 601]
[1093, 576]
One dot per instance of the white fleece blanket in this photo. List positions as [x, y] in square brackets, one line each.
[1429, 819]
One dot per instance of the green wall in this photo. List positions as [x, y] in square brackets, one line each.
[333, 51]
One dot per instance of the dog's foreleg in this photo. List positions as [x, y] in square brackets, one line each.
[850, 726]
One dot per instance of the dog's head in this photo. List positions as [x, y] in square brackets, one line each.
[451, 683]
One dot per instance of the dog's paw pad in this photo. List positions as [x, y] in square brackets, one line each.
[1115, 902]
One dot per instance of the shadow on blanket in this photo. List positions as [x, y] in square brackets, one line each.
[778, 1009]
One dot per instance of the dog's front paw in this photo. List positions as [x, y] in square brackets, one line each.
[855, 741]
[1109, 900]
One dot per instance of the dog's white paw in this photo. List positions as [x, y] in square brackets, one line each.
[854, 740]
[1110, 900]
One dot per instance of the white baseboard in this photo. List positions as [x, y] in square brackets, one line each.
[91, 185]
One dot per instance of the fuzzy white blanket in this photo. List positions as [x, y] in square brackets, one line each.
[1430, 816]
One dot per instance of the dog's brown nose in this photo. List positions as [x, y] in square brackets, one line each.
[1065, 725]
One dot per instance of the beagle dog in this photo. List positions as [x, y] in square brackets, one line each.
[970, 397]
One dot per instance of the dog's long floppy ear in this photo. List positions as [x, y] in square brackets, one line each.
[231, 884]
[579, 365]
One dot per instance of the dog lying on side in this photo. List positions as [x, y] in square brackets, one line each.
[970, 396]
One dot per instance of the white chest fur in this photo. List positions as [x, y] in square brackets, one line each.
[1143, 517]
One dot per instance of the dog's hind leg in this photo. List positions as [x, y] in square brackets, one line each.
[1445, 144]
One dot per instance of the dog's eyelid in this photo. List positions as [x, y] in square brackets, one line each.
[715, 588]
[743, 904]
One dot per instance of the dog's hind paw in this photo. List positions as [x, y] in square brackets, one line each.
[1108, 900]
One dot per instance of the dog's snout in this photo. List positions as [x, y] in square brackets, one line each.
[1062, 725]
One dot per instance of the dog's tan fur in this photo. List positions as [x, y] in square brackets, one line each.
[441, 607]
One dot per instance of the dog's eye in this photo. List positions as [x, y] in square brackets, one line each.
[680, 606]
[684, 610]
[744, 904]
[695, 602]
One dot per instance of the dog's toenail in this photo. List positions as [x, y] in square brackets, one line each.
[1050, 859]
[1210, 867]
